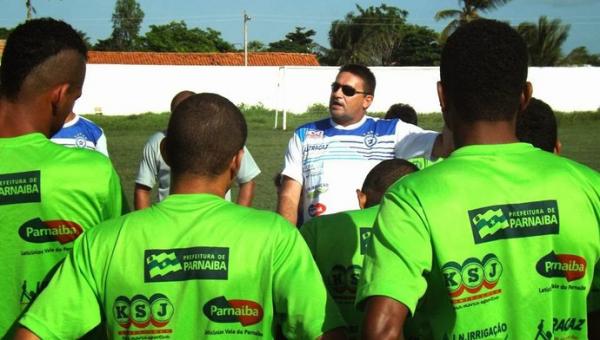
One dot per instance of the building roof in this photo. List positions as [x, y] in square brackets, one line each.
[215, 59]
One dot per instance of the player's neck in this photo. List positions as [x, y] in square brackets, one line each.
[485, 132]
[17, 119]
[193, 184]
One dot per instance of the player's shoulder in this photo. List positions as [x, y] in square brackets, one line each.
[313, 129]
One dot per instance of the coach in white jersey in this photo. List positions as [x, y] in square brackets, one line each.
[79, 132]
[328, 160]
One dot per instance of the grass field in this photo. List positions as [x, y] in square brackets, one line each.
[127, 134]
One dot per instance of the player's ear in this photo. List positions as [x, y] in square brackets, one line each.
[525, 96]
[557, 147]
[163, 151]
[362, 198]
[236, 163]
[444, 106]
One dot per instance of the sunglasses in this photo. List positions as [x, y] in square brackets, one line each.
[347, 90]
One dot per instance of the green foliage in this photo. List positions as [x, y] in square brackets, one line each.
[4, 32]
[127, 19]
[256, 46]
[318, 109]
[177, 37]
[581, 56]
[468, 12]
[299, 41]
[368, 37]
[419, 47]
[544, 40]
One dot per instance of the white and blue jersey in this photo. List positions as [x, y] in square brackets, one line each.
[81, 133]
[331, 161]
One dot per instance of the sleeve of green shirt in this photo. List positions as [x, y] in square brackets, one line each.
[68, 308]
[300, 297]
[400, 251]
[116, 203]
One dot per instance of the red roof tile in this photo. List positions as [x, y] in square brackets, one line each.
[216, 59]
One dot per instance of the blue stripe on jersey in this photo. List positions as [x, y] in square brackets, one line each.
[84, 126]
[381, 127]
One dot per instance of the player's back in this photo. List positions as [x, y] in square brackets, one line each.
[197, 266]
[49, 195]
[515, 237]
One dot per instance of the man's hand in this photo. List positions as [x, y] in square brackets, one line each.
[141, 196]
[289, 197]
[384, 318]
[246, 193]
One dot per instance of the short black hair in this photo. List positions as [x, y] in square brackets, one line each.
[484, 71]
[180, 97]
[32, 43]
[537, 125]
[363, 73]
[382, 176]
[404, 112]
[205, 131]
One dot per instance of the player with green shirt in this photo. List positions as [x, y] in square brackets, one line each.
[49, 194]
[499, 240]
[338, 241]
[194, 265]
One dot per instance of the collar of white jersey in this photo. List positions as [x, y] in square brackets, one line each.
[349, 127]
[71, 123]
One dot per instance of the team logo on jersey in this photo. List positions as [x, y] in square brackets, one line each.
[197, 263]
[316, 209]
[466, 281]
[370, 139]
[514, 220]
[559, 326]
[80, 140]
[21, 187]
[38, 231]
[314, 134]
[344, 279]
[245, 312]
[571, 267]
[144, 314]
[365, 237]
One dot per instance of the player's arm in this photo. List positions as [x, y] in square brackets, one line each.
[246, 193]
[289, 198]
[142, 196]
[384, 318]
[23, 333]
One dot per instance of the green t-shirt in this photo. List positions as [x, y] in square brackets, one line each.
[338, 242]
[190, 267]
[49, 195]
[423, 162]
[499, 241]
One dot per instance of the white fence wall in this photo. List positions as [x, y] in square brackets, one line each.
[133, 89]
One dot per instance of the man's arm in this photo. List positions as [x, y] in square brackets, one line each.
[384, 318]
[289, 198]
[246, 193]
[141, 196]
[25, 334]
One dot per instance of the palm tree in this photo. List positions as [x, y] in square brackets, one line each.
[30, 9]
[544, 40]
[468, 12]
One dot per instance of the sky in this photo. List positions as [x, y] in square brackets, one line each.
[272, 19]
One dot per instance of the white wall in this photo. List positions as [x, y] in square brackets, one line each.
[133, 89]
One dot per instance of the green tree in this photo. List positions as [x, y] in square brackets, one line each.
[299, 41]
[4, 32]
[470, 10]
[177, 37]
[368, 36]
[127, 19]
[581, 56]
[544, 40]
[256, 46]
[30, 10]
[419, 47]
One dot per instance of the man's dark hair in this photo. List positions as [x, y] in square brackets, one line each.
[537, 125]
[484, 71]
[205, 131]
[382, 176]
[404, 112]
[180, 97]
[363, 73]
[31, 44]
